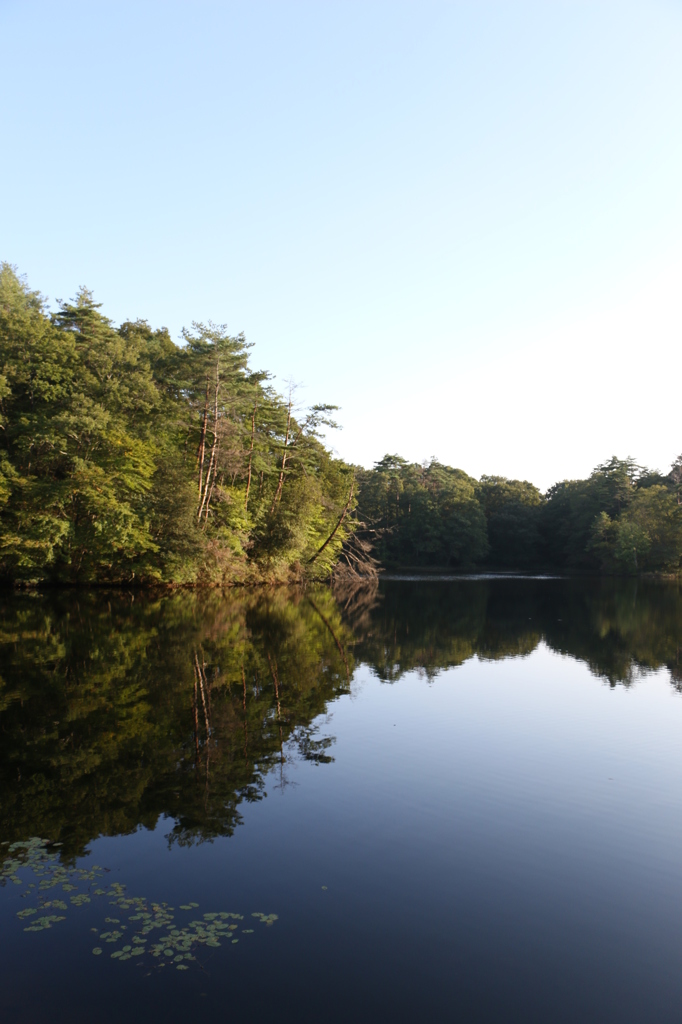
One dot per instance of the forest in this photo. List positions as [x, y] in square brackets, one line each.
[125, 458]
[622, 519]
[128, 459]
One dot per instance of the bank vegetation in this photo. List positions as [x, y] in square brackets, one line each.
[128, 459]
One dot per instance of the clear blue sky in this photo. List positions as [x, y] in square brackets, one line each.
[461, 222]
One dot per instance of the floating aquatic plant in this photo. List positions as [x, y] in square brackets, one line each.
[174, 943]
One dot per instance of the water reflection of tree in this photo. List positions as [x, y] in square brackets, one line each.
[620, 628]
[117, 710]
[358, 599]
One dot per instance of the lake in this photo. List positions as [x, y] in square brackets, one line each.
[435, 800]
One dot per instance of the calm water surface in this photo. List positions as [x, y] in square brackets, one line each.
[444, 801]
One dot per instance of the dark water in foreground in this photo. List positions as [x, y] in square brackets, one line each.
[444, 801]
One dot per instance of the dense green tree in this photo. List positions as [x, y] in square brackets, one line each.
[125, 457]
[78, 450]
[423, 515]
[512, 510]
[646, 536]
[573, 506]
[621, 519]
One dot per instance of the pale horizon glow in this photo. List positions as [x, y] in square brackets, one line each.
[458, 221]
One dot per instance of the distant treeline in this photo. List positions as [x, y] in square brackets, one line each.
[125, 458]
[622, 519]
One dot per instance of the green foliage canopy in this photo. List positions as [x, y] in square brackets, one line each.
[125, 457]
[424, 515]
[622, 519]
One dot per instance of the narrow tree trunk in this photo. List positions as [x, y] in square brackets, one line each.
[208, 503]
[208, 687]
[202, 442]
[203, 696]
[278, 492]
[195, 709]
[214, 448]
[212, 466]
[246, 730]
[253, 434]
[273, 673]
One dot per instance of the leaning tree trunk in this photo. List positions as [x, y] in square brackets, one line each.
[336, 528]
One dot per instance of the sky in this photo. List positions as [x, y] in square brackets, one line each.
[461, 222]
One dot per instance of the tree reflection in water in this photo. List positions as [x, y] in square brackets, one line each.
[117, 709]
